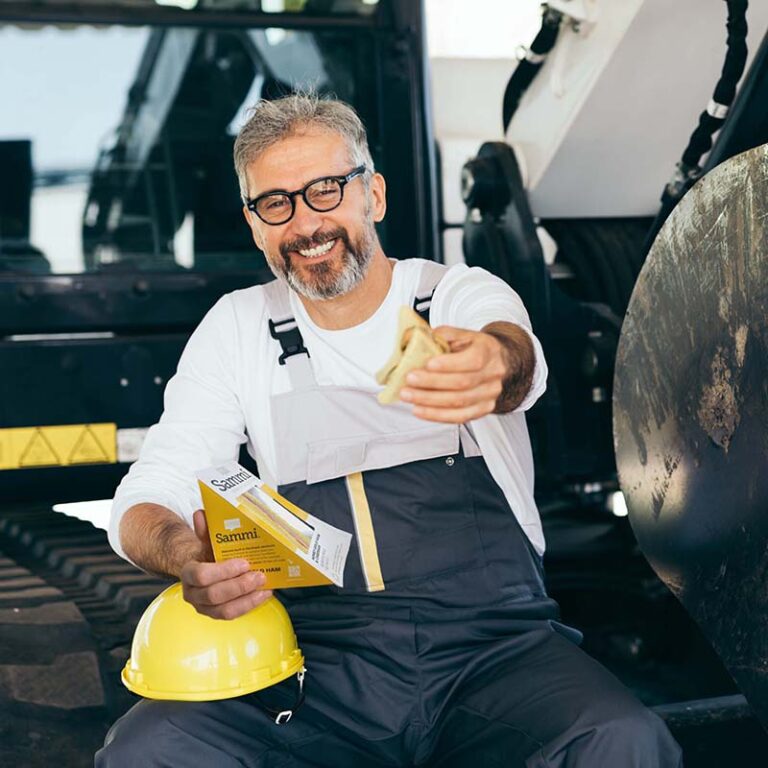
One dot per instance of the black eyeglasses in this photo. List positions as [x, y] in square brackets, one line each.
[320, 195]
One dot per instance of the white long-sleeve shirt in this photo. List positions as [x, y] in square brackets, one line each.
[220, 395]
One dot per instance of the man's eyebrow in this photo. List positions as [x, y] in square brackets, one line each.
[270, 192]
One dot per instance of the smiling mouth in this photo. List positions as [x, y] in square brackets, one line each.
[320, 250]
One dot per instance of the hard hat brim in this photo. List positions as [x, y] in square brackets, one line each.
[132, 681]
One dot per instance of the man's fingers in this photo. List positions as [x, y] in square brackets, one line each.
[452, 397]
[456, 339]
[423, 380]
[455, 415]
[200, 525]
[205, 574]
[452, 335]
[225, 591]
[473, 357]
[237, 607]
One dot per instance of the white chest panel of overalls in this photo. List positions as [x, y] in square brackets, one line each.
[326, 432]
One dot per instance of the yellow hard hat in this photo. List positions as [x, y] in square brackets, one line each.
[177, 653]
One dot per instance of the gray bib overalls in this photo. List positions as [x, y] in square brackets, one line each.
[442, 648]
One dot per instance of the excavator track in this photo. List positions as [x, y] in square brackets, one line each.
[68, 606]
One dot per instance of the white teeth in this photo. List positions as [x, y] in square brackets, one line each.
[319, 251]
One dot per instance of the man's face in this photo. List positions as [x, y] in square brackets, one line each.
[298, 251]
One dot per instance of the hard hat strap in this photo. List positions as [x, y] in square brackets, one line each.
[281, 717]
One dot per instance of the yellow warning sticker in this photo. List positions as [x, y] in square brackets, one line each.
[59, 446]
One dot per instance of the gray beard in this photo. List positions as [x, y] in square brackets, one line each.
[325, 282]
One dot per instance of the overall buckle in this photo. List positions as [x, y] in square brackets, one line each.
[287, 334]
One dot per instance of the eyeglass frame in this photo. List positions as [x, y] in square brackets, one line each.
[341, 180]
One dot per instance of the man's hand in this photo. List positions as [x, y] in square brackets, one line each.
[485, 372]
[223, 590]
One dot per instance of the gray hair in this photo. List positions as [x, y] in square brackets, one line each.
[271, 121]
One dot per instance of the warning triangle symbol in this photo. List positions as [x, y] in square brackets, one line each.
[88, 450]
[38, 452]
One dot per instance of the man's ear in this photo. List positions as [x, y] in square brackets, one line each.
[255, 234]
[378, 196]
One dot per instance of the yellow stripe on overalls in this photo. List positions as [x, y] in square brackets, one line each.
[366, 538]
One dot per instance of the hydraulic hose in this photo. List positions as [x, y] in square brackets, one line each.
[711, 120]
[530, 63]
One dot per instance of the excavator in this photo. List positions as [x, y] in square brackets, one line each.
[609, 170]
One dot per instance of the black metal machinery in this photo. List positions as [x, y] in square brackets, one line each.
[129, 310]
[85, 353]
[579, 321]
[692, 407]
[571, 427]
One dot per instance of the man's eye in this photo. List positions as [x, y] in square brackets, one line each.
[327, 189]
[275, 203]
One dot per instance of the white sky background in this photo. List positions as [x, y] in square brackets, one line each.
[69, 88]
[66, 88]
[488, 29]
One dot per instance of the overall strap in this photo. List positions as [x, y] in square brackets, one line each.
[431, 274]
[284, 328]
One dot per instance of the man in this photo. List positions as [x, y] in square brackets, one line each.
[442, 648]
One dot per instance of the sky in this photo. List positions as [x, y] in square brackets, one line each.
[66, 97]
[480, 28]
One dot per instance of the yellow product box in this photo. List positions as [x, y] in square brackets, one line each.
[248, 519]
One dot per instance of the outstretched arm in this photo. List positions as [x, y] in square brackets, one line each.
[520, 359]
[488, 371]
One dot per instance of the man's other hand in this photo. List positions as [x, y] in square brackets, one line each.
[469, 381]
[223, 590]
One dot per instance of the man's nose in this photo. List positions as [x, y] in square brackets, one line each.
[305, 221]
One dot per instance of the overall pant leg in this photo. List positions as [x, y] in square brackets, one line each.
[233, 733]
[549, 705]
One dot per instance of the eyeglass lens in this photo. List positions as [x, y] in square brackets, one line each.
[323, 195]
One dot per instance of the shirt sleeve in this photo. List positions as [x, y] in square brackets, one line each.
[471, 298]
[202, 425]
